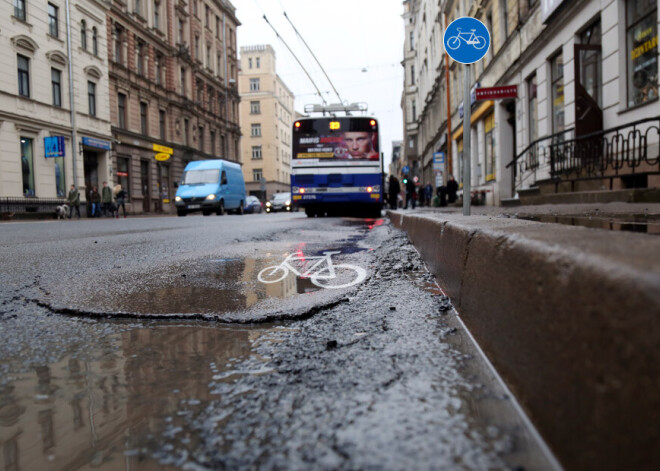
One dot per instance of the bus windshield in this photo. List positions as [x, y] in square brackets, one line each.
[336, 140]
[200, 177]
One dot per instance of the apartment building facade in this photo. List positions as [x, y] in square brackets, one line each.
[267, 114]
[173, 94]
[579, 67]
[54, 109]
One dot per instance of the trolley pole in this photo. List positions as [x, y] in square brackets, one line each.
[467, 109]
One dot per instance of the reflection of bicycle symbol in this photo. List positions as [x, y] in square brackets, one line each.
[322, 273]
[470, 38]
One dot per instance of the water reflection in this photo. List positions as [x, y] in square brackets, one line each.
[630, 223]
[209, 287]
[109, 413]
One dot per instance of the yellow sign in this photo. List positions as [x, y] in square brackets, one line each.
[166, 201]
[163, 149]
[162, 157]
[334, 125]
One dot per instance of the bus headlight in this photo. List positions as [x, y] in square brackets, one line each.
[288, 203]
[177, 199]
[211, 197]
[369, 189]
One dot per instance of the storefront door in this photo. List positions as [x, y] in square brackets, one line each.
[91, 169]
[146, 187]
[588, 82]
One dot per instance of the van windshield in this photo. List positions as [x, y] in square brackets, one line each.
[197, 177]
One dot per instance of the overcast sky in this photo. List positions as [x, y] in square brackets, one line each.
[358, 42]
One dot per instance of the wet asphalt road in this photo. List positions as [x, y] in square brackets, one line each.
[150, 343]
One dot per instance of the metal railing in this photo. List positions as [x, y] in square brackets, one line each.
[625, 150]
[30, 205]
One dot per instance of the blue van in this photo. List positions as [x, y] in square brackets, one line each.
[210, 186]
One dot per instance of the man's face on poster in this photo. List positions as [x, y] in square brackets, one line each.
[358, 144]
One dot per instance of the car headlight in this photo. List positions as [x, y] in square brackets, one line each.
[178, 199]
[268, 204]
[288, 203]
[211, 196]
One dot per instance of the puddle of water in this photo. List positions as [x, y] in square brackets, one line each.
[113, 413]
[632, 223]
[212, 287]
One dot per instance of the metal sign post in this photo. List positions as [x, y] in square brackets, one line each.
[466, 40]
[467, 113]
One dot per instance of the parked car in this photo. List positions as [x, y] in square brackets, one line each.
[279, 202]
[210, 185]
[253, 205]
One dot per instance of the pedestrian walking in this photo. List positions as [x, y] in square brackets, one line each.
[121, 200]
[394, 189]
[106, 200]
[421, 196]
[411, 196]
[95, 198]
[428, 193]
[452, 188]
[73, 199]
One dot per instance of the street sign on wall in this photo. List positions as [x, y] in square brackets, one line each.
[496, 93]
[466, 40]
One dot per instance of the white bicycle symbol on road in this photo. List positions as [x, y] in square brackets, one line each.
[323, 273]
[470, 38]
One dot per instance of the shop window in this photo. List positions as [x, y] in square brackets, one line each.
[642, 51]
[164, 182]
[489, 127]
[123, 174]
[532, 109]
[557, 77]
[27, 166]
[60, 184]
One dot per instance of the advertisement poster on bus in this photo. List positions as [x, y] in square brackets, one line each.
[354, 147]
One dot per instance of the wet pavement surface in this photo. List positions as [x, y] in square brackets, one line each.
[152, 344]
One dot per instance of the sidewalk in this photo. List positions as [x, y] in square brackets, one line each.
[568, 315]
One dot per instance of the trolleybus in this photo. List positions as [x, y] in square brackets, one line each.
[337, 166]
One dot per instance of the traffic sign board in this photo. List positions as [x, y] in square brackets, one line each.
[405, 169]
[466, 40]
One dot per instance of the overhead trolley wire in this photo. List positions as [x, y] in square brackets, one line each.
[314, 56]
[297, 60]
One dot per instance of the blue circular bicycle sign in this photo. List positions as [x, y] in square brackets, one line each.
[466, 40]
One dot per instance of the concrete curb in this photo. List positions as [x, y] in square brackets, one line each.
[569, 316]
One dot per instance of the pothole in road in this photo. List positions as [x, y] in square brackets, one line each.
[205, 287]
